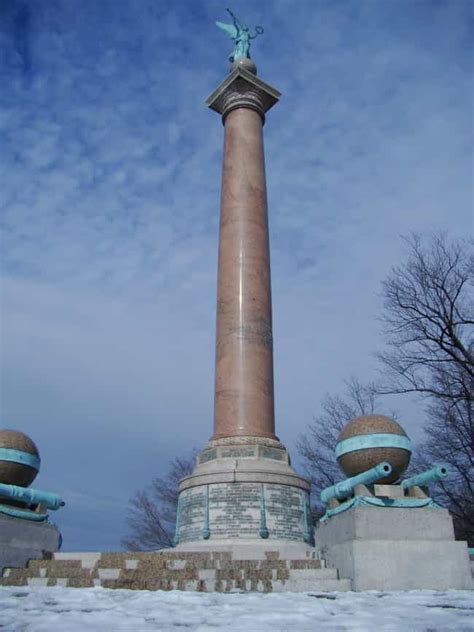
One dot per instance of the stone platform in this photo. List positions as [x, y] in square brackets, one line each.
[245, 567]
[392, 548]
[23, 540]
[171, 570]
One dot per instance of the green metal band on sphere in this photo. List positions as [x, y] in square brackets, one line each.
[372, 440]
[20, 456]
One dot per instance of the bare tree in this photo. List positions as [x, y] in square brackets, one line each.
[429, 318]
[428, 315]
[152, 513]
[448, 432]
[316, 447]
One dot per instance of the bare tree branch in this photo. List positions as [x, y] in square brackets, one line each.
[152, 513]
[428, 321]
[429, 318]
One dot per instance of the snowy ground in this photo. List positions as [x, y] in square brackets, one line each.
[99, 609]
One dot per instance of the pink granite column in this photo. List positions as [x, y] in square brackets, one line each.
[244, 347]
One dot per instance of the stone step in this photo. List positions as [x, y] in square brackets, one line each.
[167, 570]
[308, 585]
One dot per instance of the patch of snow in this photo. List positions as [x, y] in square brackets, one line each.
[58, 609]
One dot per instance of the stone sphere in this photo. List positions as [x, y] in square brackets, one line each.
[19, 458]
[368, 440]
[248, 64]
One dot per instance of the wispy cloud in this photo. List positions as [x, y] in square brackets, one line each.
[110, 194]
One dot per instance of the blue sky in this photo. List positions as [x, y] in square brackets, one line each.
[110, 186]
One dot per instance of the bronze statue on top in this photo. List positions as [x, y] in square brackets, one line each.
[240, 33]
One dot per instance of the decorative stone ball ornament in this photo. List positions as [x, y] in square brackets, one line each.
[368, 440]
[248, 64]
[19, 458]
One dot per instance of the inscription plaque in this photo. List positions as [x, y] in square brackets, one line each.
[272, 453]
[285, 511]
[208, 455]
[238, 452]
[234, 510]
[191, 513]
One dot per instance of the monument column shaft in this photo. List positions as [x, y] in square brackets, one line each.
[244, 403]
[244, 465]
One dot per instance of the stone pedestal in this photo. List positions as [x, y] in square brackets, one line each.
[243, 490]
[395, 549]
[205, 571]
[24, 540]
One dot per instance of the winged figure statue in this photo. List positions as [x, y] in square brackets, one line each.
[240, 33]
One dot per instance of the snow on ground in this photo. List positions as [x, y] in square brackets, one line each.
[35, 609]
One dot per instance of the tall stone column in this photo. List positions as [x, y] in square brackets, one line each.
[244, 340]
[243, 489]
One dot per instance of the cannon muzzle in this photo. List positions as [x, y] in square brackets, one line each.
[436, 473]
[31, 496]
[343, 489]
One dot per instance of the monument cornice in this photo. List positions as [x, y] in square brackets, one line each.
[256, 475]
[242, 89]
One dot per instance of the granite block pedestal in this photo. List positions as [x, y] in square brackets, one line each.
[380, 548]
[24, 540]
[243, 490]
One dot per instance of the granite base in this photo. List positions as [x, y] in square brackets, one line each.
[395, 549]
[24, 540]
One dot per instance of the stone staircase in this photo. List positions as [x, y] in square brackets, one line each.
[172, 570]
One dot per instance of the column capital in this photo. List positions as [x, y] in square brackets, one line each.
[242, 89]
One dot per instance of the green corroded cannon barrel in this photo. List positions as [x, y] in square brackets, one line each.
[343, 489]
[31, 496]
[436, 473]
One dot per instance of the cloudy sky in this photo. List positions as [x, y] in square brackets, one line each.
[110, 177]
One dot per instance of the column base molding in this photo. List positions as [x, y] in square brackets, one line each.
[243, 488]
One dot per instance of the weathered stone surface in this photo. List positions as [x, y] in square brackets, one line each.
[395, 549]
[23, 540]
[236, 510]
[272, 453]
[360, 460]
[386, 523]
[242, 89]
[191, 513]
[285, 512]
[207, 455]
[171, 570]
[237, 452]
[239, 494]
